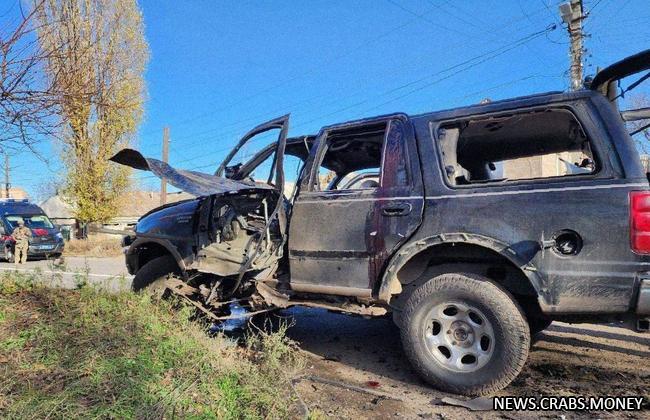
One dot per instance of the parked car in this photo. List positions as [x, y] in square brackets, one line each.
[46, 241]
[475, 227]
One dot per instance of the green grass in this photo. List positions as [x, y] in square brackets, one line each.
[89, 354]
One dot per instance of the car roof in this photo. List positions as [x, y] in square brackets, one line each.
[509, 104]
[19, 207]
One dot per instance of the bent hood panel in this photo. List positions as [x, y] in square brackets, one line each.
[195, 183]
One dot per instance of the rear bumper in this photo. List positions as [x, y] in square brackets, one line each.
[643, 301]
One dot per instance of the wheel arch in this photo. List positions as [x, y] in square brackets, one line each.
[146, 249]
[463, 252]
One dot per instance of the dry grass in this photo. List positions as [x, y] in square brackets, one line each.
[88, 354]
[95, 246]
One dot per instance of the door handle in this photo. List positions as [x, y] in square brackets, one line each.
[396, 209]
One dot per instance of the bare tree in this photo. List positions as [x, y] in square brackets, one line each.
[27, 104]
[98, 74]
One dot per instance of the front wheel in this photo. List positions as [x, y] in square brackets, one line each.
[464, 334]
[153, 275]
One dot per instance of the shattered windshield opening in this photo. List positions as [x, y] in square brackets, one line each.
[246, 162]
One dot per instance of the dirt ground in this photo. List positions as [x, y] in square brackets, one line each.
[566, 359]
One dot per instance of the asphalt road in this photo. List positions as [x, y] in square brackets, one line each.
[105, 273]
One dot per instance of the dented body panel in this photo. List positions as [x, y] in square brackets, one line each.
[384, 202]
[602, 277]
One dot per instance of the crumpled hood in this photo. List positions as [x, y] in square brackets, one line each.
[195, 183]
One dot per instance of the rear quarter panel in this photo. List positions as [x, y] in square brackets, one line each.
[603, 276]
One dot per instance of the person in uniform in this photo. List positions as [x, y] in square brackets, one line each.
[21, 235]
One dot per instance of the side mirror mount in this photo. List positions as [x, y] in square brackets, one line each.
[232, 170]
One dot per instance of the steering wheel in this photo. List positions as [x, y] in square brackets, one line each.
[358, 178]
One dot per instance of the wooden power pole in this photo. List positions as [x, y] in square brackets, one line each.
[165, 158]
[7, 184]
[572, 15]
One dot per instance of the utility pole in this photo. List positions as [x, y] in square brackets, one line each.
[572, 15]
[165, 158]
[7, 185]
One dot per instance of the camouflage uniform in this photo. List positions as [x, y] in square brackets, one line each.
[21, 235]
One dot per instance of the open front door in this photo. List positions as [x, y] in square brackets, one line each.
[240, 220]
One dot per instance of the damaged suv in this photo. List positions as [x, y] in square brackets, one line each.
[475, 227]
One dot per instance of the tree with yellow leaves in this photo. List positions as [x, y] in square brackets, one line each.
[98, 70]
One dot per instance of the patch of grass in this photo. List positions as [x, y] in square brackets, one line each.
[94, 246]
[88, 354]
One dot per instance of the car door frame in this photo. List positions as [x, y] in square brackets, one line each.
[379, 198]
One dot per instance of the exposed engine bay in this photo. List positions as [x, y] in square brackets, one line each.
[242, 231]
[239, 243]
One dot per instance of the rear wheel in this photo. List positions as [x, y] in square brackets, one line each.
[537, 325]
[153, 274]
[464, 334]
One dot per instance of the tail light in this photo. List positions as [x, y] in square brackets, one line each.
[640, 221]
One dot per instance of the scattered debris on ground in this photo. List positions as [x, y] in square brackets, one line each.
[566, 359]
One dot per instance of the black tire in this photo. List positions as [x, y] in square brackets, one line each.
[154, 272]
[499, 354]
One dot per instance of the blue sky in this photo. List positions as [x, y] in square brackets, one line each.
[219, 68]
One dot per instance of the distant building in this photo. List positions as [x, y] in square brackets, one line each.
[550, 165]
[17, 193]
[60, 213]
[132, 206]
[645, 161]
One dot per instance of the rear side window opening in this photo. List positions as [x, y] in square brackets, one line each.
[515, 147]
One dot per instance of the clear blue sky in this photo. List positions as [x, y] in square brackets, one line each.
[219, 68]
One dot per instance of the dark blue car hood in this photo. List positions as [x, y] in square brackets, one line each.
[195, 183]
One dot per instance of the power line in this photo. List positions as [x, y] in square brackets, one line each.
[463, 66]
[320, 67]
[489, 55]
[421, 16]
[305, 72]
[460, 67]
[284, 109]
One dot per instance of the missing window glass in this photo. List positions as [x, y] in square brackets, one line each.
[352, 158]
[539, 144]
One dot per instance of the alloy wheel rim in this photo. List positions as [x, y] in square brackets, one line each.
[459, 336]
